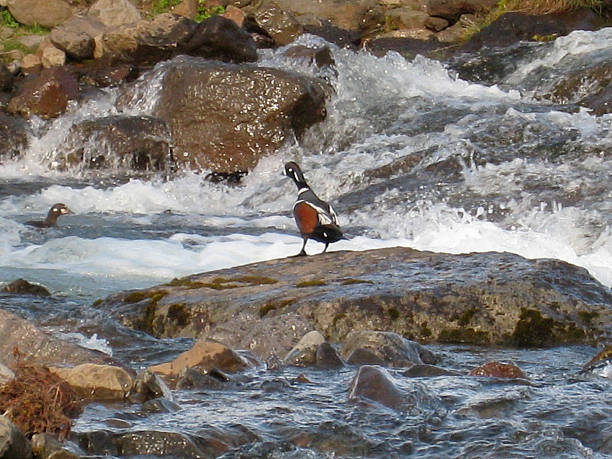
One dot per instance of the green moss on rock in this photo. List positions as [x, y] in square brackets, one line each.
[462, 335]
[311, 283]
[134, 297]
[178, 313]
[275, 305]
[532, 330]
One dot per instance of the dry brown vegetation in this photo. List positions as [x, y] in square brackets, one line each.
[38, 401]
[547, 6]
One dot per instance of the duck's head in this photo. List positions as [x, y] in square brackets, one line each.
[293, 171]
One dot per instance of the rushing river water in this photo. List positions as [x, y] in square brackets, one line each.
[410, 155]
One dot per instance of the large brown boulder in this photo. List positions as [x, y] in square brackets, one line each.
[112, 142]
[226, 117]
[46, 95]
[48, 13]
[38, 346]
[280, 25]
[479, 298]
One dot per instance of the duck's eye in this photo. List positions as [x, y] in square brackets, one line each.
[55, 209]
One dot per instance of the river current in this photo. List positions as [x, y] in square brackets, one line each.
[410, 155]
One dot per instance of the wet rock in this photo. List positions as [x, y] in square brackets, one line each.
[47, 14]
[498, 370]
[96, 442]
[586, 86]
[479, 298]
[375, 384]
[45, 446]
[159, 405]
[46, 95]
[101, 75]
[6, 78]
[304, 353]
[13, 444]
[407, 47]
[6, 374]
[275, 385]
[190, 378]
[222, 39]
[148, 385]
[114, 13]
[334, 439]
[320, 56]
[458, 30]
[119, 142]
[278, 23]
[601, 360]
[23, 287]
[40, 347]
[30, 64]
[76, 36]
[391, 348]
[425, 370]
[451, 10]
[340, 37]
[361, 356]
[160, 444]
[205, 355]
[406, 18]
[327, 357]
[210, 108]
[511, 28]
[97, 381]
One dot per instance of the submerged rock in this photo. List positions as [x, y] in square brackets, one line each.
[390, 348]
[479, 298]
[375, 384]
[498, 370]
[45, 446]
[40, 347]
[23, 287]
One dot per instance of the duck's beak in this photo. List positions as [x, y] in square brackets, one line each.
[66, 210]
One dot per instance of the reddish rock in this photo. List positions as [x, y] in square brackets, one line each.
[498, 370]
[46, 95]
[205, 355]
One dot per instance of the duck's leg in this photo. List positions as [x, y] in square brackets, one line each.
[303, 251]
[326, 246]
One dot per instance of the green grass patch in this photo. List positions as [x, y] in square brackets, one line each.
[162, 6]
[275, 305]
[205, 13]
[7, 19]
[311, 283]
[356, 281]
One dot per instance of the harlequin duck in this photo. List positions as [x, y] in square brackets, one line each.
[51, 220]
[315, 218]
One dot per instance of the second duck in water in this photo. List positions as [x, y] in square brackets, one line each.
[51, 220]
[315, 218]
